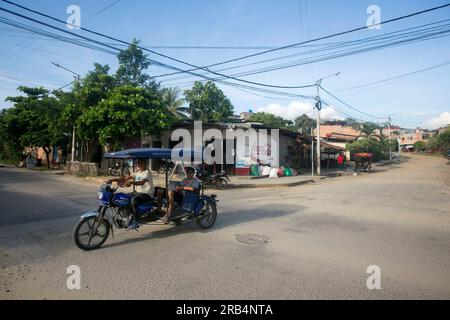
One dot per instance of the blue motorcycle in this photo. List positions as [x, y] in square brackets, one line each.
[115, 210]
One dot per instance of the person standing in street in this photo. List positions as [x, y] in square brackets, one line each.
[341, 161]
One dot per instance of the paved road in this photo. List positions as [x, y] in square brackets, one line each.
[322, 239]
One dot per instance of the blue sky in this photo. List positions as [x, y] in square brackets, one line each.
[422, 99]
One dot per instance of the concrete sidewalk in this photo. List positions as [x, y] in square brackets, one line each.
[241, 182]
[238, 182]
[284, 182]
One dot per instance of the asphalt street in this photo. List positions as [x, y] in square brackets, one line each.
[319, 240]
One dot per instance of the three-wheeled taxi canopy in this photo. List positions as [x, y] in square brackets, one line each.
[154, 153]
[364, 155]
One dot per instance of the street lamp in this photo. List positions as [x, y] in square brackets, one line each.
[319, 108]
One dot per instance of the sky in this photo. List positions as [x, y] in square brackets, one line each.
[420, 99]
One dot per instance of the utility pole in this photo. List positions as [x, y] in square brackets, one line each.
[312, 151]
[390, 137]
[319, 145]
[319, 108]
[77, 79]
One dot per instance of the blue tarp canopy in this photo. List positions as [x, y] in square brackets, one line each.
[153, 153]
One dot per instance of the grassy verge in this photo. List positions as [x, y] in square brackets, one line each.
[8, 162]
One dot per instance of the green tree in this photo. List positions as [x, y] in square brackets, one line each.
[367, 128]
[440, 143]
[208, 103]
[174, 103]
[133, 65]
[94, 87]
[129, 112]
[88, 93]
[352, 122]
[34, 120]
[304, 124]
[379, 149]
[444, 141]
[271, 120]
[10, 131]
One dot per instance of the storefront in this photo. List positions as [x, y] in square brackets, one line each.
[243, 145]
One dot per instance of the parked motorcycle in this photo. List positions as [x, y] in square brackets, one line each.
[166, 167]
[218, 181]
[115, 169]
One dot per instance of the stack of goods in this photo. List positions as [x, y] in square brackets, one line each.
[282, 172]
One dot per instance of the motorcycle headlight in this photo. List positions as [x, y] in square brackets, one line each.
[100, 196]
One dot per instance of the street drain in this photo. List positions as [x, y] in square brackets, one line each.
[252, 239]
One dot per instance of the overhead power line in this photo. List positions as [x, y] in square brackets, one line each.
[240, 86]
[24, 81]
[142, 48]
[402, 37]
[104, 9]
[324, 37]
[116, 50]
[397, 77]
[345, 112]
[351, 107]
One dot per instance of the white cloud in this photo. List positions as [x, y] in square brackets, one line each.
[296, 109]
[438, 122]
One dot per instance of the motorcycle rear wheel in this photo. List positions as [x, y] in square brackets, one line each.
[222, 184]
[115, 172]
[83, 238]
[208, 217]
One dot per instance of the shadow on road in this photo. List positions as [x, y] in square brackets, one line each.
[224, 220]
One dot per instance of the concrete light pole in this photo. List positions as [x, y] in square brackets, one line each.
[312, 151]
[390, 137]
[77, 79]
[319, 108]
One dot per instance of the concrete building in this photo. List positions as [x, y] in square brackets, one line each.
[292, 149]
[338, 135]
[407, 138]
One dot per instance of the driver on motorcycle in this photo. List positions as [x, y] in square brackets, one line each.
[143, 182]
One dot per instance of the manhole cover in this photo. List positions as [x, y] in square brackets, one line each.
[252, 239]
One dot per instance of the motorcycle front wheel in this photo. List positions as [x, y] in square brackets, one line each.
[89, 235]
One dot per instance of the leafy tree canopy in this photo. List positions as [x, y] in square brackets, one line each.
[129, 112]
[304, 124]
[133, 65]
[271, 120]
[33, 120]
[174, 103]
[208, 103]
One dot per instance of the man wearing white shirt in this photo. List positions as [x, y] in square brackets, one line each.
[143, 182]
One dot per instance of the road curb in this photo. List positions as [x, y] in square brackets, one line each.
[273, 185]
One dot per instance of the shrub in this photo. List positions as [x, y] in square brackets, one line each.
[379, 149]
[420, 146]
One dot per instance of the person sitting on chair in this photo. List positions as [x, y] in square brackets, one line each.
[143, 182]
[190, 183]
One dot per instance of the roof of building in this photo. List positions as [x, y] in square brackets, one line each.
[342, 136]
[331, 149]
[152, 153]
[245, 125]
